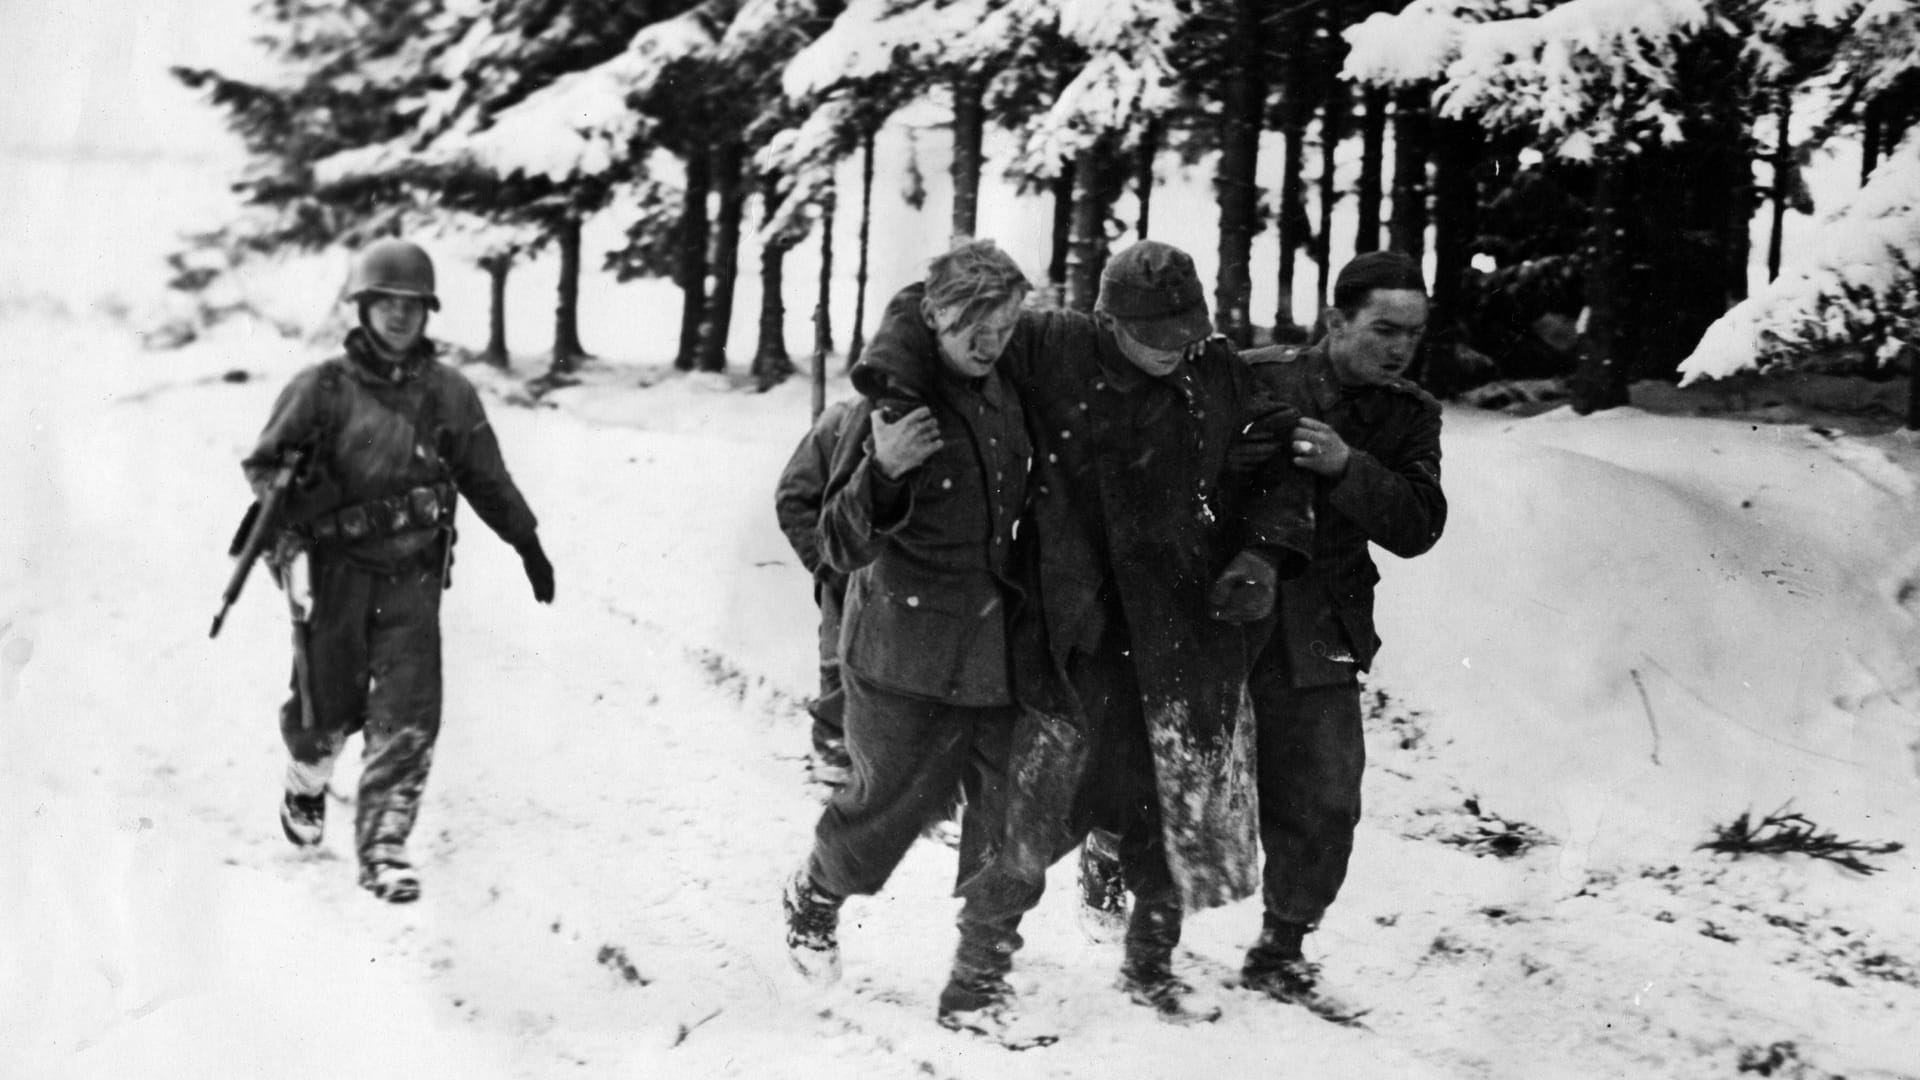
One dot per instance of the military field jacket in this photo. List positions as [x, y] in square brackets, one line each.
[802, 492]
[373, 434]
[1390, 495]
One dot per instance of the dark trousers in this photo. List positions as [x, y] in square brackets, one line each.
[911, 758]
[1119, 794]
[829, 709]
[1311, 755]
[1069, 783]
[373, 648]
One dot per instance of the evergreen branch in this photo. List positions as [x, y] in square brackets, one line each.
[1784, 833]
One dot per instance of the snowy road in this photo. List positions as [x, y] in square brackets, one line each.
[618, 791]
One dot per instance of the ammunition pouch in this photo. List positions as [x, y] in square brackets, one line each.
[429, 506]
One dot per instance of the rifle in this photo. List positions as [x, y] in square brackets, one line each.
[258, 526]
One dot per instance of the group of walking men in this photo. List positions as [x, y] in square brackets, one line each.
[1106, 576]
[1100, 573]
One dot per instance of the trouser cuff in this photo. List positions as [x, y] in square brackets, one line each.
[309, 779]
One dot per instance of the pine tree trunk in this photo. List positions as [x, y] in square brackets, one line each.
[725, 260]
[1373, 138]
[866, 243]
[497, 268]
[823, 305]
[1242, 108]
[771, 362]
[1600, 380]
[1333, 123]
[1870, 125]
[969, 128]
[1143, 159]
[567, 351]
[691, 268]
[1457, 146]
[1062, 236]
[1294, 230]
[1412, 121]
[1098, 175]
[1782, 163]
[822, 345]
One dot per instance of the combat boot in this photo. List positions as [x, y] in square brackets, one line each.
[1276, 967]
[1103, 890]
[981, 1003]
[304, 818]
[392, 881]
[1150, 981]
[1147, 975]
[813, 926]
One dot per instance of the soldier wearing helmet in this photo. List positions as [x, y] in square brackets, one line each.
[389, 439]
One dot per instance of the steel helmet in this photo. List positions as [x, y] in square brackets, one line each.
[395, 268]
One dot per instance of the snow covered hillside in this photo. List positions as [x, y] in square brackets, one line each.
[1637, 628]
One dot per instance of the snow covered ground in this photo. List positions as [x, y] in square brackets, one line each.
[1637, 627]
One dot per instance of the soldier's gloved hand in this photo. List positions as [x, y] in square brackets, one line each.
[539, 570]
[1244, 591]
[1262, 438]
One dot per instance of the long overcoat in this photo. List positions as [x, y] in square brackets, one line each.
[1126, 503]
[1390, 495]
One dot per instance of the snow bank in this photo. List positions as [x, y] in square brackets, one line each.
[1713, 622]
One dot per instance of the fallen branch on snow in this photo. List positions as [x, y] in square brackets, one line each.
[1783, 833]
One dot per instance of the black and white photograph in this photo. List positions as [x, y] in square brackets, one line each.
[963, 539]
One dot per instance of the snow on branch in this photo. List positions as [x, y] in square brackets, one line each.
[1111, 93]
[1126, 82]
[1553, 71]
[1858, 287]
[581, 124]
[805, 158]
[872, 38]
[1413, 46]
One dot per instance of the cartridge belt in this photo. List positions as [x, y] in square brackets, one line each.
[429, 506]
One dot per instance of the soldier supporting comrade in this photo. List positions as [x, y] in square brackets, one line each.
[1371, 438]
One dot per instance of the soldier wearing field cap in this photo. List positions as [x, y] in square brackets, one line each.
[1371, 440]
[386, 437]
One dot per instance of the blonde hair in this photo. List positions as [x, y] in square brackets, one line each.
[975, 277]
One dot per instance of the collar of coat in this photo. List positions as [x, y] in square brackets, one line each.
[369, 364]
[1315, 372]
[903, 360]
